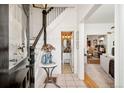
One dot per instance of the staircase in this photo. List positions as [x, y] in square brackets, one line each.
[53, 13]
[37, 42]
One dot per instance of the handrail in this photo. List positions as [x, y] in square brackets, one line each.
[39, 34]
[58, 11]
[37, 38]
[49, 9]
[53, 15]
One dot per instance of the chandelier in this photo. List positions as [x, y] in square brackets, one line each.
[41, 6]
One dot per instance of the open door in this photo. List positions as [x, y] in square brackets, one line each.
[67, 52]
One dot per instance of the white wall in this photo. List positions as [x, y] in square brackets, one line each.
[98, 28]
[63, 23]
[35, 21]
[119, 46]
[82, 10]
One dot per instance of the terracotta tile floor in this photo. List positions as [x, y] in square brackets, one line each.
[66, 81]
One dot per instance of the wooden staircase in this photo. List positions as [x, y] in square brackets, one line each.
[48, 17]
[52, 14]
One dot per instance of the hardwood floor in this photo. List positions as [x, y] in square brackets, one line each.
[89, 82]
[96, 77]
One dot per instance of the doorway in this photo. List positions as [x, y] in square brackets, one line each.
[99, 47]
[67, 64]
[99, 65]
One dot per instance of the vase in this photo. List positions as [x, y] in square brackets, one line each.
[46, 58]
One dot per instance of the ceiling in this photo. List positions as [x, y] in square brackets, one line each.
[43, 6]
[61, 5]
[104, 14]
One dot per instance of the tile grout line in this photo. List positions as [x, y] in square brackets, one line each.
[75, 82]
[65, 82]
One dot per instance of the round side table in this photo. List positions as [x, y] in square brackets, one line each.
[49, 69]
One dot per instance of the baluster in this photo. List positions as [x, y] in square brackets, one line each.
[50, 17]
[60, 10]
[55, 13]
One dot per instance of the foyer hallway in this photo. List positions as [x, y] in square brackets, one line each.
[64, 22]
[66, 81]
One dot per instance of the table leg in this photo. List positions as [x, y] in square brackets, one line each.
[52, 71]
[49, 75]
[47, 79]
[52, 78]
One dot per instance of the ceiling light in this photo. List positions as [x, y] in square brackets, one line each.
[102, 38]
[41, 6]
[63, 37]
[66, 37]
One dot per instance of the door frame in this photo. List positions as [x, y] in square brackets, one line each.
[116, 79]
[72, 56]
